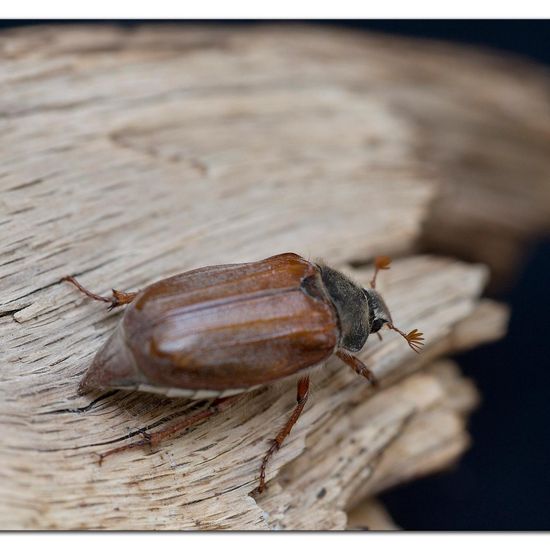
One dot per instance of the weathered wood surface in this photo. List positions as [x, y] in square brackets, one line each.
[131, 155]
[484, 124]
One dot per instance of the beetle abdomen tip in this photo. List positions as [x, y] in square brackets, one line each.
[113, 366]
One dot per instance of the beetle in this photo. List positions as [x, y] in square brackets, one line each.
[221, 331]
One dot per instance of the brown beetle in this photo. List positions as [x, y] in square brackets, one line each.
[221, 331]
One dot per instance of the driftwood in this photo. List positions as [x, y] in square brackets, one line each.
[130, 155]
[484, 123]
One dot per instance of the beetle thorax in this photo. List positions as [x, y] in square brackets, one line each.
[352, 307]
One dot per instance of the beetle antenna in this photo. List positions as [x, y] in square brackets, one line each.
[380, 263]
[414, 338]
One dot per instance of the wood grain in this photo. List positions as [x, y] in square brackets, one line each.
[129, 155]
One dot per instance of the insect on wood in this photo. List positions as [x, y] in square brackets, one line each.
[221, 331]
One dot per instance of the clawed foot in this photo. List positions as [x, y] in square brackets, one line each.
[120, 298]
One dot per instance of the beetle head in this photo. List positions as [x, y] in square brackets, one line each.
[379, 314]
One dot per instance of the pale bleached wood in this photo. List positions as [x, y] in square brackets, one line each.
[156, 146]
[132, 155]
[411, 429]
[179, 103]
[461, 397]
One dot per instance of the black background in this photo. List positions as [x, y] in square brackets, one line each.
[503, 481]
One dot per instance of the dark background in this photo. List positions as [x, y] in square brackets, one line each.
[503, 481]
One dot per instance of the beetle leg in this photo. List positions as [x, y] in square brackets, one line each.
[153, 439]
[118, 298]
[358, 366]
[301, 398]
